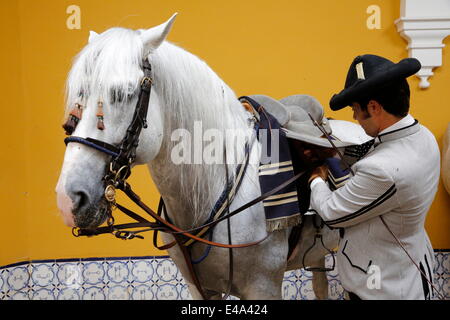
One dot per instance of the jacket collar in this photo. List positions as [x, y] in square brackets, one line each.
[403, 128]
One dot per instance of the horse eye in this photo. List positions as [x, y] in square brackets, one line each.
[132, 91]
[117, 96]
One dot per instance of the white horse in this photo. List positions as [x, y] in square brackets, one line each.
[185, 92]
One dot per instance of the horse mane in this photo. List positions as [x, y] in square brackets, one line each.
[195, 92]
[189, 89]
[109, 65]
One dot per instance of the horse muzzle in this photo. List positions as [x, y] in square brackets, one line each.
[82, 208]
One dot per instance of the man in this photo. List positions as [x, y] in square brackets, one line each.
[394, 183]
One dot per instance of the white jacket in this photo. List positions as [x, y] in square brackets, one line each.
[398, 180]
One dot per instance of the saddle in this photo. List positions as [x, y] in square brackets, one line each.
[296, 114]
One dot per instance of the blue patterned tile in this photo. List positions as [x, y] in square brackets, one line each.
[93, 273]
[166, 270]
[3, 286]
[289, 290]
[303, 274]
[305, 290]
[443, 264]
[290, 275]
[43, 274]
[147, 278]
[94, 293]
[117, 271]
[70, 293]
[43, 294]
[142, 271]
[118, 292]
[70, 274]
[18, 278]
[183, 292]
[142, 292]
[166, 291]
[335, 290]
[442, 273]
[19, 295]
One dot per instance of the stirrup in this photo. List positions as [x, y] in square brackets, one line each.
[318, 235]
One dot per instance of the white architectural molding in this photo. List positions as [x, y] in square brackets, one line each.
[425, 24]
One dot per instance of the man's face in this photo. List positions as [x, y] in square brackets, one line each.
[366, 121]
[311, 155]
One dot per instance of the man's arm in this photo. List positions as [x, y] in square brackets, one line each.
[371, 192]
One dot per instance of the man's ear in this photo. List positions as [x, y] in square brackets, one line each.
[374, 108]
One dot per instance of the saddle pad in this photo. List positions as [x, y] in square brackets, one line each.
[281, 209]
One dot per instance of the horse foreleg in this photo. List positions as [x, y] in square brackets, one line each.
[320, 282]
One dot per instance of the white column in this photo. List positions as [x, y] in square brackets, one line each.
[425, 24]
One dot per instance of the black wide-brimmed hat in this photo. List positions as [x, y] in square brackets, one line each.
[370, 73]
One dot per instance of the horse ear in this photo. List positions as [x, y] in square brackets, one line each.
[92, 36]
[153, 37]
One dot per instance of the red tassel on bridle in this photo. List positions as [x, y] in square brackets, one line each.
[74, 117]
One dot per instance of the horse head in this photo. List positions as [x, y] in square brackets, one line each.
[103, 88]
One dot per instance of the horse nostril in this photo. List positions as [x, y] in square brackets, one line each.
[81, 200]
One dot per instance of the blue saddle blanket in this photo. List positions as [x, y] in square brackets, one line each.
[282, 208]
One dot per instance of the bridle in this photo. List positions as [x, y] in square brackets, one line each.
[124, 155]
[119, 169]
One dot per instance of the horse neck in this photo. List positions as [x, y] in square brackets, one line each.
[191, 94]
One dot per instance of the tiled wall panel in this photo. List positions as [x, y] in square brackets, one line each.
[146, 278]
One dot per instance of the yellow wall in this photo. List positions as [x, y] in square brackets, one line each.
[276, 48]
[14, 157]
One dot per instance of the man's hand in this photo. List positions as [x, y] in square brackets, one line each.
[321, 172]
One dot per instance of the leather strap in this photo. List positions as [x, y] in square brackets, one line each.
[165, 226]
[187, 259]
[176, 231]
[129, 143]
[248, 204]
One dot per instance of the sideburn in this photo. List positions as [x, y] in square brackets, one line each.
[365, 113]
